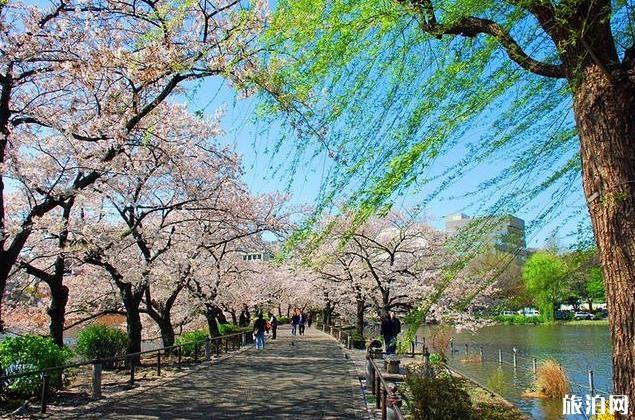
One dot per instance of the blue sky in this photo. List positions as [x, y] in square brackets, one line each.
[254, 140]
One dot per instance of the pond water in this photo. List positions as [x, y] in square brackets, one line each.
[577, 348]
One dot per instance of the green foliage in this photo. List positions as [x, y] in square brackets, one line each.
[226, 329]
[283, 320]
[435, 358]
[358, 341]
[100, 341]
[191, 340]
[595, 284]
[28, 353]
[441, 398]
[544, 276]
[519, 319]
[367, 72]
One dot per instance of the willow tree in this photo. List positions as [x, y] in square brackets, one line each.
[385, 87]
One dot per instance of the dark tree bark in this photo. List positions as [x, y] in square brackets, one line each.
[131, 299]
[359, 323]
[214, 316]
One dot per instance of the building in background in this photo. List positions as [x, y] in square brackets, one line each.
[506, 233]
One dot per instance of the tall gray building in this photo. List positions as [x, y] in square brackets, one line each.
[506, 232]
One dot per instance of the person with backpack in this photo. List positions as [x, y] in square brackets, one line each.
[259, 331]
[273, 321]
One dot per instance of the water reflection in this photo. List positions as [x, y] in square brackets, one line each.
[577, 347]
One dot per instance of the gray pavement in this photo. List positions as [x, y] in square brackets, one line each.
[305, 377]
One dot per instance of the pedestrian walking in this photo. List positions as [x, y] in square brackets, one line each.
[259, 332]
[274, 325]
[295, 321]
[309, 320]
[387, 331]
[302, 322]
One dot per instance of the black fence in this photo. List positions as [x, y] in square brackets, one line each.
[191, 352]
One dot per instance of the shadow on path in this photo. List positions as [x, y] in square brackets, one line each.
[304, 378]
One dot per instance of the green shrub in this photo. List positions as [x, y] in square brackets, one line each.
[27, 353]
[440, 398]
[358, 341]
[101, 342]
[189, 340]
[519, 319]
[226, 329]
[283, 320]
[435, 358]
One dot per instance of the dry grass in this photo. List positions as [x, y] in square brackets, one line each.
[440, 339]
[472, 359]
[551, 380]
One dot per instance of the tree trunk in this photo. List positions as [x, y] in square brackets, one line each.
[167, 331]
[359, 325]
[279, 310]
[605, 117]
[590, 303]
[57, 311]
[233, 314]
[214, 316]
[288, 311]
[131, 301]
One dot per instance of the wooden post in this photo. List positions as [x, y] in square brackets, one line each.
[226, 346]
[208, 349]
[591, 383]
[535, 365]
[500, 356]
[244, 338]
[378, 391]
[339, 335]
[412, 348]
[371, 376]
[96, 380]
[159, 363]
[384, 399]
[515, 361]
[348, 342]
[45, 392]
[480, 352]
[131, 361]
[466, 349]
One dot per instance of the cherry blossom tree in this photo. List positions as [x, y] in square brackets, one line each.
[78, 78]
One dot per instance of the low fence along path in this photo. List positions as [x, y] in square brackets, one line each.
[305, 377]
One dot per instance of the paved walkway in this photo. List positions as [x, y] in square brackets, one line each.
[304, 378]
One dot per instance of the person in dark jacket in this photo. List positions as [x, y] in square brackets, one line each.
[274, 325]
[259, 331]
[396, 324]
[302, 323]
[388, 332]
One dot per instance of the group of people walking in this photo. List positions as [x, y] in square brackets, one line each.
[299, 321]
[262, 327]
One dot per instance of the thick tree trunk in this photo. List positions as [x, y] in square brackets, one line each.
[214, 316]
[167, 332]
[359, 324]
[279, 311]
[57, 312]
[605, 117]
[131, 301]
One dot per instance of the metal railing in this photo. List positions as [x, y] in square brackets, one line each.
[387, 397]
[161, 357]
